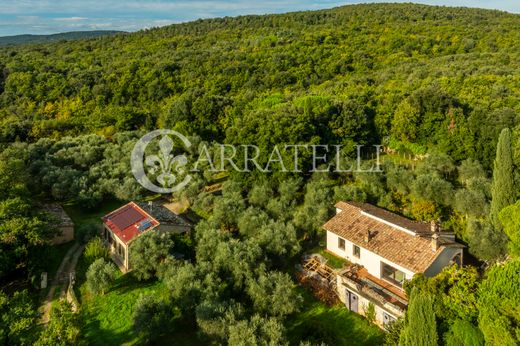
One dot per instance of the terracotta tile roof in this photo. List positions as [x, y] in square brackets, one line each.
[388, 239]
[398, 220]
[129, 221]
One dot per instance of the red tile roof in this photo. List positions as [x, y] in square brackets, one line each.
[387, 237]
[129, 221]
[395, 219]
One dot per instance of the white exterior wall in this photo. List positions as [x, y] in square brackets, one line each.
[368, 259]
[363, 306]
[113, 249]
[364, 302]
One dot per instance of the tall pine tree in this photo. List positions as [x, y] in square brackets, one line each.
[421, 327]
[502, 188]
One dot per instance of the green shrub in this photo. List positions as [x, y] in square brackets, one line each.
[87, 231]
[151, 317]
[95, 249]
[370, 312]
[100, 276]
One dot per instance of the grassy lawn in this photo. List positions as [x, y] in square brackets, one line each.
[107, 320]
[332, 260]
[336, 325]
[320, 247]
[82, 216]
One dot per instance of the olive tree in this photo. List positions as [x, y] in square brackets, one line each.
[100, 276]
[257, 330]
[273, 293]
[148, 252]
[151, 317]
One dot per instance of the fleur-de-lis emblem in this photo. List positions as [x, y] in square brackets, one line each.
[165, 163]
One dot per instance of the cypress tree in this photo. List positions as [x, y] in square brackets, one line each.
[502, 188]
[421, 327]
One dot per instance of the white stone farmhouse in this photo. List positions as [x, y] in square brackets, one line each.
[383, 250]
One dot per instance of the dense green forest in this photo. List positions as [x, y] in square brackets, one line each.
[433, 77]
[438, 87]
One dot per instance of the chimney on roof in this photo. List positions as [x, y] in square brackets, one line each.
[434, 226]
[368, 236]
[435, 229]
[435, 242]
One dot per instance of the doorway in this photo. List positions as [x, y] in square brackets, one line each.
[352, 301]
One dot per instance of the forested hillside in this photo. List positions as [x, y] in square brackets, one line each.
[444, 77]
[438, 87]
[65, 36]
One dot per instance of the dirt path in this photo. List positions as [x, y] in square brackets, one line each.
[72, 267]
[61, 279]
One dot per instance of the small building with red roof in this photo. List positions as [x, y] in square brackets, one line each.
[132, 220]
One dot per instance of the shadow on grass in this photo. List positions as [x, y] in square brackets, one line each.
[96, 335]
[128, 282]
[81, 215]
[334, 328]
[107, 319]
[335, 325]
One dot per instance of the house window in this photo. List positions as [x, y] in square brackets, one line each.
[388, 320]
[392, 275]
[341, 243]
[356, 251]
